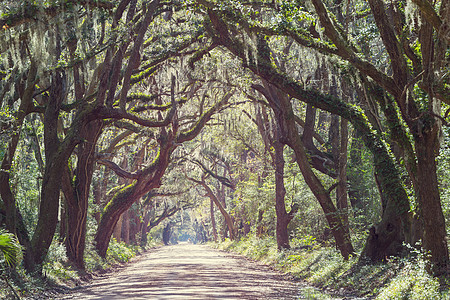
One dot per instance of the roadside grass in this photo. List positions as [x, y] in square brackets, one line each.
[58, 274]
[324, 268]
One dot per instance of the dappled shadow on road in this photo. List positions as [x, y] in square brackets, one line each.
[188, 271]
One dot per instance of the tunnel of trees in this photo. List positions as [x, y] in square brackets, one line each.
[324, 119]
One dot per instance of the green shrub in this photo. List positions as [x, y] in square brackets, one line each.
[93, 261]
[412, 282]
[56, 266]
[119, 251]
[324, 267]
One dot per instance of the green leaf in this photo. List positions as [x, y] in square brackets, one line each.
[10, 249]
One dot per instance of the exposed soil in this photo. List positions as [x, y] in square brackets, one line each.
[187, 271]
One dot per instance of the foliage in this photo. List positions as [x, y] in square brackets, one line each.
[306, 242]
[10, 249]
[323, 267]
[413, 280]
[57, 267]
[257, 248]
[26, 178]
[120, 252]
[6, 127]
[444, 175]
[79, 40]
[93, 261]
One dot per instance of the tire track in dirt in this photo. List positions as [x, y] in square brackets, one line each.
[187, 271]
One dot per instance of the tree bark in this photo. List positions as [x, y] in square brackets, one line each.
[117, 233]
[430, 210]
[77, 194]
[13, 219]
[225, 214]
[321, 161]
[56, 157]
[149, 177]
[341, 190]
[356, 190]
[283, 218]
[260, 227]
[100, 190]
[126, 227]
[134, 226]
[391, 181]
[167, 232]
[144, 229]
[275, 146]
[213, 221]
[111, 215]
[285, 118]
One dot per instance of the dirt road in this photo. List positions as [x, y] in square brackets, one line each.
[187, 271]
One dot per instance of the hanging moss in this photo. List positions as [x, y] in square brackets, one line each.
[383, 159]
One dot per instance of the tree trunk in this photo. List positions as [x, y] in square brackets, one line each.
[6, 193]
[14, 221]
[387, 238]
[99, 189]
[126, 227]
[134, 226]
[56, 159]
[221, 198]
[338, 136]
[167, 231]
[149, 179]
[48, 212]
[260, 226]
[144, 229]
[429, 202]
[228, 219]
[63, 220]
[341, 190]
[117, 233]
[283, 218]
[111, 215]
[77, 194]
[285, 118]
[355, 176]
[209, 192]
[119, 227]
[36, 146]
[319, 160]
[213, 221]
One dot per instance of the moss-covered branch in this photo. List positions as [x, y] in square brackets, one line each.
[429, 13]
[156, 107]
[149, 68]
[114, 113]
[391, 181]
[118, 170]
[195, 130]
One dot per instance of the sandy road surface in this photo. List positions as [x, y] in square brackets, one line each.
[187, 271]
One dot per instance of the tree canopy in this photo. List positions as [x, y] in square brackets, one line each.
[125, 115]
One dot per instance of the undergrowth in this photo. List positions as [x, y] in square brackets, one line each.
[324, 268]
[58, 273]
